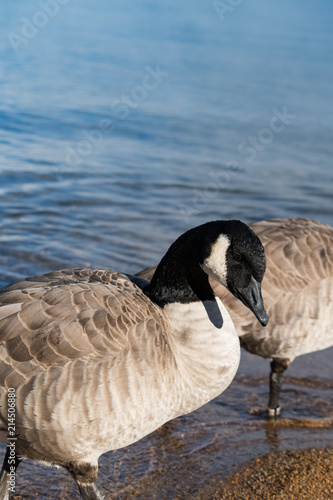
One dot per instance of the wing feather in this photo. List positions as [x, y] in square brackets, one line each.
[69, 315]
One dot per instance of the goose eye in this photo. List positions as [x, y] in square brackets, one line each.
[237, 258]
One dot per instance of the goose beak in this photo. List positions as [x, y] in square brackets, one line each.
[251, 297]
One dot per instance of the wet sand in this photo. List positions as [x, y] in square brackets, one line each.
[285, 475]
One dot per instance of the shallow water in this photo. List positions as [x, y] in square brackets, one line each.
[122, 126]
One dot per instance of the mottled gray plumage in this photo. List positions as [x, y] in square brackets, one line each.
[96, 364]
[297, 291]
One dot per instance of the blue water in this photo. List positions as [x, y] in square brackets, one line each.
[178, 152]
[124, 123]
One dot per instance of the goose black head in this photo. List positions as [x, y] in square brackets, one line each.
[228, 251]
[236, 258]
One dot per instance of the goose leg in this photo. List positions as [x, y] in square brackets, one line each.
[90, 492]
[8, 467]
[278, 367]
[85, 476]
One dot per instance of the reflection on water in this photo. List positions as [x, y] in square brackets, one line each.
[238, 126]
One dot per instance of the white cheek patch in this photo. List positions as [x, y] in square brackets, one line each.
[216, 264]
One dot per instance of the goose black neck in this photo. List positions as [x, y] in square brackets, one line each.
[179, 277]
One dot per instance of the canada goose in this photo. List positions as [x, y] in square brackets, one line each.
[94, 360]
[298, 295]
